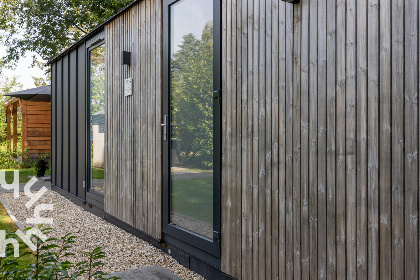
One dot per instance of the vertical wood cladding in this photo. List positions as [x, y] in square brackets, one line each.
[134, 148]
[320, 139]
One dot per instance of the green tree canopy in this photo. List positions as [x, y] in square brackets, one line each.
[192, 101]
[7, 85]
[47, 27]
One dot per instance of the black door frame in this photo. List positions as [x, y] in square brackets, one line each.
[207, 245]
[92, 197]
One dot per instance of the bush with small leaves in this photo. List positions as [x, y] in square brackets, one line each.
[52, 260]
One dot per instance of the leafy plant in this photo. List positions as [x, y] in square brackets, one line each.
[46, 27]
[8, 161]
[52, 260]
[37, 161]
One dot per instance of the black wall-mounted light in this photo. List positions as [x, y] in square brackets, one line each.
[126, 58]
[291, 1]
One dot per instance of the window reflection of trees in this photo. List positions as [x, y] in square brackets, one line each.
[192, 102]
[97, 79]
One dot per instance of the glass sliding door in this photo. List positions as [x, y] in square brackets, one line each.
[192, 122]
[97, 119]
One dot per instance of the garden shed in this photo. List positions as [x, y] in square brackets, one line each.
[254, 139]
[35, 107]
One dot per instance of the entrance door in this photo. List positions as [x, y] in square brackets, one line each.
[191, 124]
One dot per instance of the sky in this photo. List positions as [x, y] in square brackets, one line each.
[23, 71]
[189, 16]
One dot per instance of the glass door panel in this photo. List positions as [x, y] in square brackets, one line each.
[192, 118]
[97, 119]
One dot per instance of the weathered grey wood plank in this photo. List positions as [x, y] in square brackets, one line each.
[341, 140]
[226, 134]
[373, 141]
[159, 117]
[255, 139]
[411, 140]
[322, 143]
[304, 141]
[246, 247]
[282, 141]
[362, 140]
[351, 140]
[385, 119]
[313, 139]
[331, 128]
[289, 143]
[250, 149]
[268, 133]
[296, 120]
[237, 10]
[144, 78]
[275, 202]
[261, 143]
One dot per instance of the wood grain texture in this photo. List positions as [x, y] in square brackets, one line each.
[133, 124]
[344, 139]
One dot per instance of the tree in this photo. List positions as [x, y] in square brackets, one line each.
[7, 85]
[47, 27]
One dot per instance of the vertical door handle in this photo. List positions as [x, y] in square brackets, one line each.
[165, 127]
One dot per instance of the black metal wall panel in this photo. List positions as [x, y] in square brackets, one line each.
[81, 121]
[53, 123]
[73, 122]
[66, 126]
[59, 124]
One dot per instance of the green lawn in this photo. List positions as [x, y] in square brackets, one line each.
[98, 173]
[194, 198]
[24, 174]
[7, 224]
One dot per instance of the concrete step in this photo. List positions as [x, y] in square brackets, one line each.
[155, 272]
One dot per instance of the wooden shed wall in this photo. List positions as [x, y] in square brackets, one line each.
[36, 126]
[134, 148]
[321, 139]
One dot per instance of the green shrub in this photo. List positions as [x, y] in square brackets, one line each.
[8, 161]
[30, 160]
[51, 260]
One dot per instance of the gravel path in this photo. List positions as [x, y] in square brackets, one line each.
[124, 251]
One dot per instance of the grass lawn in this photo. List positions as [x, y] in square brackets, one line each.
[24, 174]
[193, 198]
[98, 173]
[7, 224]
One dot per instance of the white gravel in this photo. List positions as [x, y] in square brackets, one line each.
[124, 251]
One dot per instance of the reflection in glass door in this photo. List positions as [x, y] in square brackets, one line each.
[192, 123]
[97, 119]
[192, 116]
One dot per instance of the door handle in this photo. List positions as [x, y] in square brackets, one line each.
[165, 127]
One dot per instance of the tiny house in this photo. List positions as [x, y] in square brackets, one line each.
[253, 139]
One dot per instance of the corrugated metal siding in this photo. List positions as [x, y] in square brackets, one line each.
[69, 122]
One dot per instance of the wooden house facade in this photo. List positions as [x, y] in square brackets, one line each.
[315, 134]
